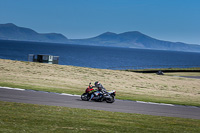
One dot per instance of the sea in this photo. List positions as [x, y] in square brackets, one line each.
[100, 57]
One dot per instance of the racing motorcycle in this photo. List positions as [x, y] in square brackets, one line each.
[108, 96]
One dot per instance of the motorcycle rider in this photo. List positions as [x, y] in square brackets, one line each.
[99, 87]
[89, 89]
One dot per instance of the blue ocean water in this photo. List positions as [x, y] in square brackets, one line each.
[99, 57]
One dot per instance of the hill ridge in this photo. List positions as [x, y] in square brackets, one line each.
[129, 39]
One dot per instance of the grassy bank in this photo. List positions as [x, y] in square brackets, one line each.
[74, 80]
[168, 69]
[18, 117]
[194, 70]
[191, 74]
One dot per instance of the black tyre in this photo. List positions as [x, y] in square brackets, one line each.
[85, 97]
[110, 100]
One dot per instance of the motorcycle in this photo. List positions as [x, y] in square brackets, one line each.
[108, 96]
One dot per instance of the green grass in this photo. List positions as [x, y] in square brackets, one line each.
[42, 88]
[19, 117]
[166, 100]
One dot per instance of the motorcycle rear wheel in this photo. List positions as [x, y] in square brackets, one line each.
[110, 100]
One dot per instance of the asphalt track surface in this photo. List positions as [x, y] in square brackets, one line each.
[74, 101]
[195, 77]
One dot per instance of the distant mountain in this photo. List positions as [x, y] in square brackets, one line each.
[132, 39]
[12, 32]
[135, 39]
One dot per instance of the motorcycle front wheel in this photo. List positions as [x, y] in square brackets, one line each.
[85, 97]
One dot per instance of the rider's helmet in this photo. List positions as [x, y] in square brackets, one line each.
[97, 84]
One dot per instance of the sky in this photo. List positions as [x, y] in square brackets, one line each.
[169, 20]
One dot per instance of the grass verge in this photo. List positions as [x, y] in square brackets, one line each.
[19, 117]
[195, 71]
[192, 69]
